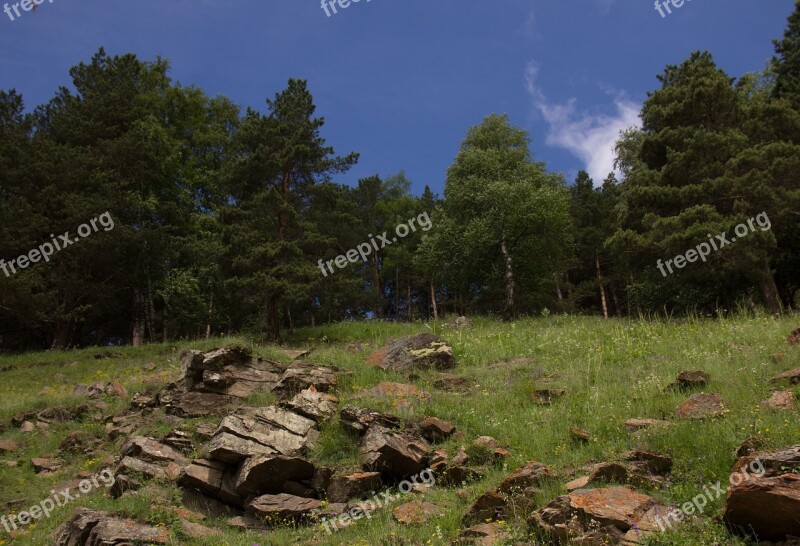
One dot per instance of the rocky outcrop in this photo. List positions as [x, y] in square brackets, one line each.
[423, 351]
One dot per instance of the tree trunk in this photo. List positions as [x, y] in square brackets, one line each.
[137, 334]
[313, 311]
[558, 288]
[433, 302]
[396, 293]
[508, 308]
[210, 310]
[602, 288]
[410, 304]
[376, 286]
[772, 298]
[287, 318]
[273, 324]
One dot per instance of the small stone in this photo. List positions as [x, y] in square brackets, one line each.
[580, 435]
[545, 397]
[27, 426]
[7, 446]
[436, 430]
[780, 400]
[415, 512]
[44, 465]
[702, 406]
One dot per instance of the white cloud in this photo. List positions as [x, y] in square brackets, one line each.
[588, 136]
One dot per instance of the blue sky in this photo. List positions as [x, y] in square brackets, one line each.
[401, 81]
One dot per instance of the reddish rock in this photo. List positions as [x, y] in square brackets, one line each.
[589, 514]
[195, 530]
[528, 475]
[484, 534]
[397, 392]
[8, 446]
[415, 512]
[702, 406]
[794, 338]
[780, 400]
[116, 389]
[580, 435]
[45, 465]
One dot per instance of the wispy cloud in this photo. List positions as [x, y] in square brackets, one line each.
[589, 136]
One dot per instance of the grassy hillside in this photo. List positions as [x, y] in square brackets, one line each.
[612, 370]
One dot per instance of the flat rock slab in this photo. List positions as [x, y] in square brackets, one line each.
[634, 425]
[313, 404]
[282, 508]
[452, 383]
[95, 528]
[702, 406]
[148, 449]
[262, 432]
[423, 351]
[692, 380]
[213, 479]
[415, 512]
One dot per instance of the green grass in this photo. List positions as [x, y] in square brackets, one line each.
[612, 370]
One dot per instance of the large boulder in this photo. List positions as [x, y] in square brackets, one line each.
[396, 454]
[344, 488]
[766, 499]
[423, 351]
[592, 514]
[212, 479]
[268, 473]
[95, 528]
